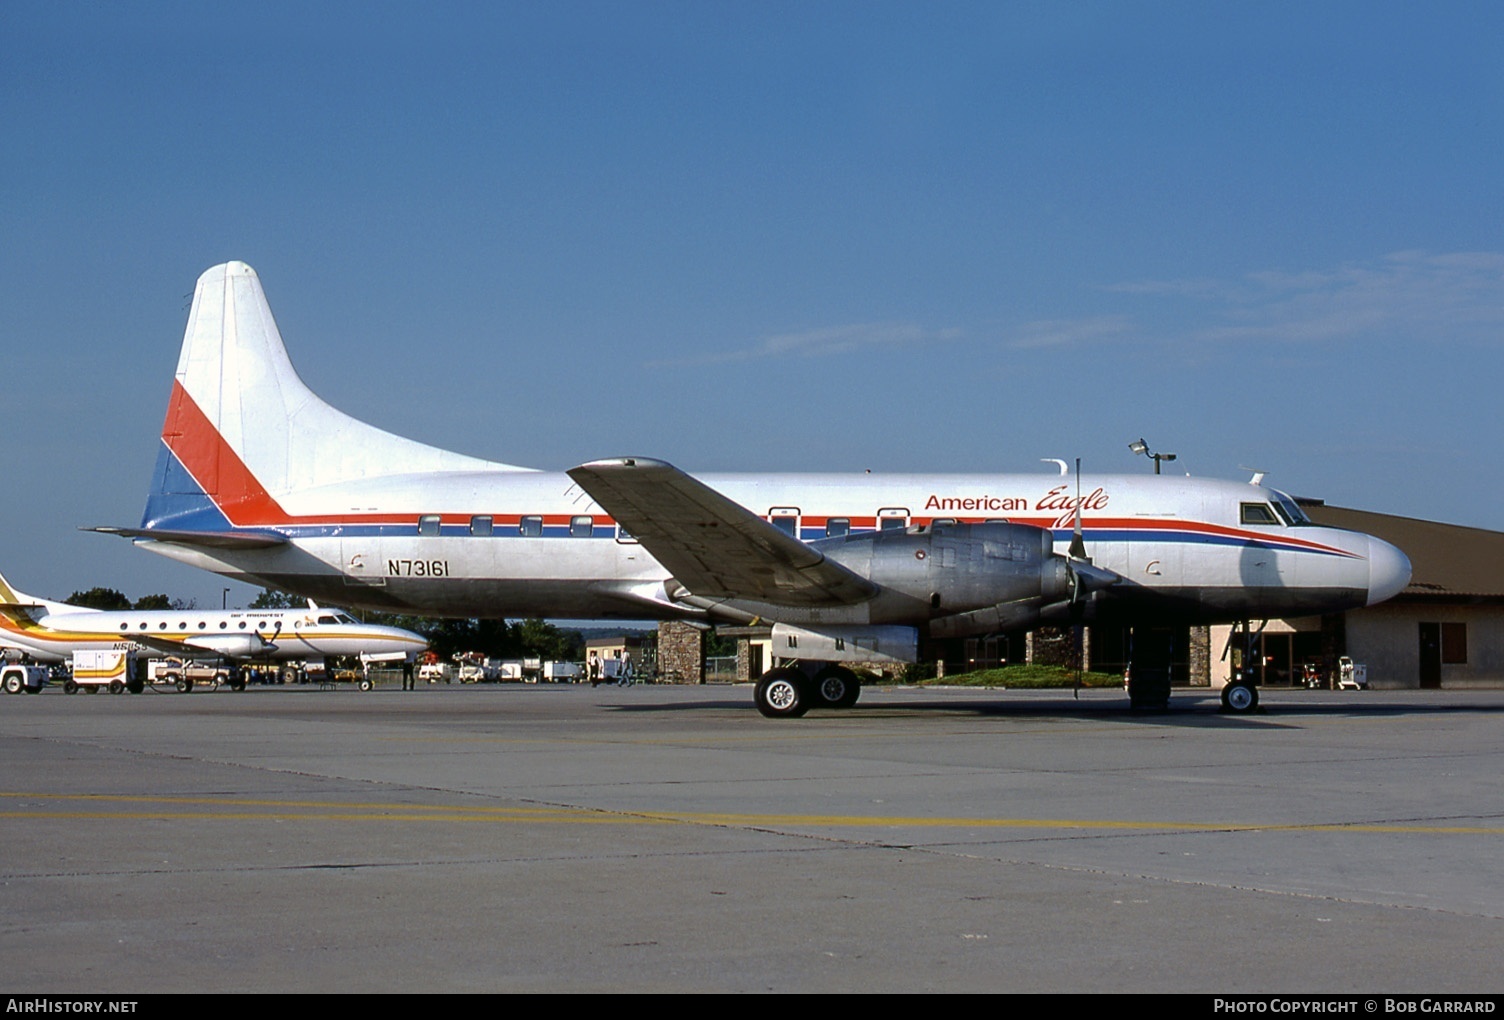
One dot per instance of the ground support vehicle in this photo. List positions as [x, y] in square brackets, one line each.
[563, 672]
[16, 678]
[1351, 676]
[186, 674]
[434, 672]
[113, 670]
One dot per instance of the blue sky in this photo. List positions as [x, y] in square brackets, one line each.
[798, 236]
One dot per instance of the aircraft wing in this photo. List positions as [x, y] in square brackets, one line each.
[715, 547]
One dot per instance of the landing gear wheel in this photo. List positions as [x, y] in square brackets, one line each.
[782, 694]
[837, 687]
[365, 684]
[237, 685]
[70, 686]
[13, 684]
[1240, 698]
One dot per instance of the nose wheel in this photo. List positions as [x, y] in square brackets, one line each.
[1240, 698]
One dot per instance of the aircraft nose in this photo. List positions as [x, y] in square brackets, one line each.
[1388, 570]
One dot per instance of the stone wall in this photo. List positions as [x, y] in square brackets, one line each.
[681, 652]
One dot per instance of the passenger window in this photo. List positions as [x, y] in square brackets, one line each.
[942, 522]
[837, 527]
[581, 527]
[785, 519]
[893, 518]
[428, 524]
[480, 526]
[531, 526]
[1258, 513]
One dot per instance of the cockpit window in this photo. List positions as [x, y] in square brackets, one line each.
[1290, 510]
[1258, 513]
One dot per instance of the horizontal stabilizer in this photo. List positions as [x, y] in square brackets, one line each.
[208, 539]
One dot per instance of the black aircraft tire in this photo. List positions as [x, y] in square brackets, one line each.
[1240, 698]
[836, 687]
[782, 694]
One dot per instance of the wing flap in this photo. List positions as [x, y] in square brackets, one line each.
[713, 546]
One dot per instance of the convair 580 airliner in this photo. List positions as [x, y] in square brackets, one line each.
[259, 479]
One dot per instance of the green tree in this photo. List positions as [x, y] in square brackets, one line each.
[271, 598]
[99, 598]
[154, 602]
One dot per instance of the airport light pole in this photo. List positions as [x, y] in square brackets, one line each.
[1143, 447]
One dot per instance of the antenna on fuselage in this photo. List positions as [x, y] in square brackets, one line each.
[1065, 468]
[1258, 476]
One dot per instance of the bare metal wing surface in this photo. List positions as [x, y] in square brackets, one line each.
[713, 546]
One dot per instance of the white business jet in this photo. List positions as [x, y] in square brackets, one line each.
[53, 631]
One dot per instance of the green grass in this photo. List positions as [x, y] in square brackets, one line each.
[1026, 676]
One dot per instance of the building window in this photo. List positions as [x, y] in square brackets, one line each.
[1454, 644]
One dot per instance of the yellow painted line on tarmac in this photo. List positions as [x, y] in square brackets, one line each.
[292, 810]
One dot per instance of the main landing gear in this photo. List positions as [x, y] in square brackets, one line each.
[789, 691]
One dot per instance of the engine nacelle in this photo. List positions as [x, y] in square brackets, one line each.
[959, 568]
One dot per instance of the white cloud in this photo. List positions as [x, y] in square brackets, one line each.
[1437, 298]
[831, 340]
[1068, 332]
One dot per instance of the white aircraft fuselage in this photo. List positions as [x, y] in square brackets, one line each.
[261, 480]
[53, 631]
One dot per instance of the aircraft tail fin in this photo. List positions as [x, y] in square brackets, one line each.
[243, 430]
[9, 596]
[16, 604]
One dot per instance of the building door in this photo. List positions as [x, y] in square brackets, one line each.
[1430, 655]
